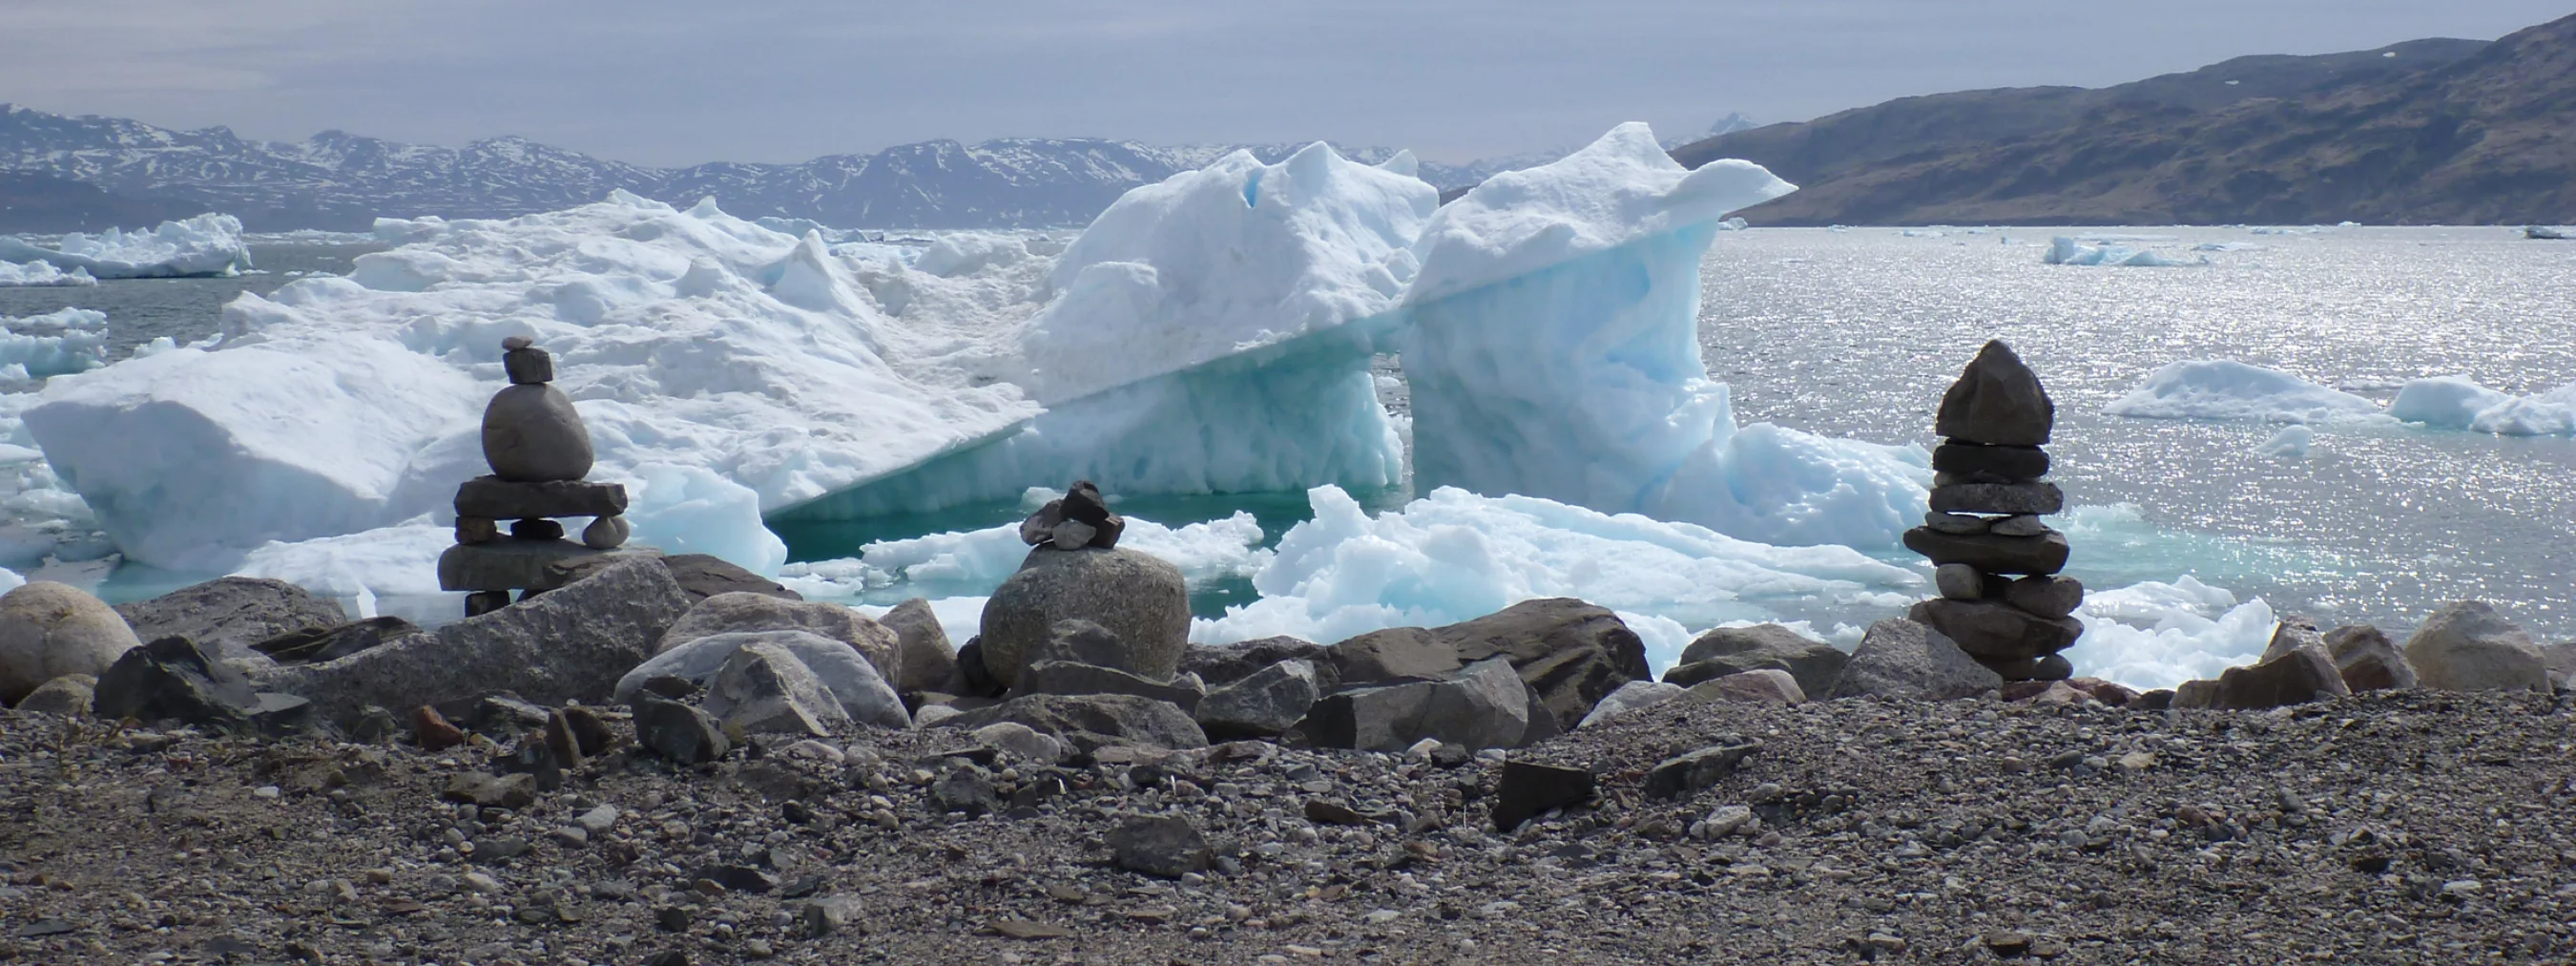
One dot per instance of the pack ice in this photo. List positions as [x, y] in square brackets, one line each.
[2223, 389]
[53, 344]
[2063, 250]
[41, 275]
[2458, 402]
[208, 244]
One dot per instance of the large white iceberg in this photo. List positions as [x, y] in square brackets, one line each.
[1453, 555]
[42, 274]
[2457, 402]
[2221, 389]
[56, 343]
[208, 244]
[1554, 352]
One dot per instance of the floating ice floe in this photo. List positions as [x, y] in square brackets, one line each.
[2063, 250]
[2220, 389]
[1553, 351]
[1453, 555]
[208, 244]
[976, 561]
[42, 275]
[54, 344]
[2457, 402]
[2292, 442]
[2158, 635]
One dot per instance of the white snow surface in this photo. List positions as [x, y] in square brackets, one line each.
[1554, 352]
[42, 274]
[2221, 389]
[1453, 555]
[56, 343]
[208, 244]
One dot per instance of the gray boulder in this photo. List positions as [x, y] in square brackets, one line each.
[1261, 704]
[571, 644]
[1092, 721]
[532, 434]
[1815, 664]
[2468, 646]
[48, 630]
[1687, 774]
[172, 679]
[2297, 675]
[764, 689]
[1762, 686]
[2559, 658]
[1140, 599]
[2295, 632]
[1903, 659]
[699, 575]
[1082, 642]
[1222, 664]
[928, 660]
[225, 617]
[855, 683]
[1485, 705]
[1631, 696]
[1021, 740]
[1074, 677]
[2367, 660]
[1572, 652]
[738, 612]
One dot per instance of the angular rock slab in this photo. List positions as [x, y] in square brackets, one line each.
[2297, 676]
[853, 681]
[1770, 686]
[1262, 704]
[2010, 499]
[929, 661]
[1632, 696]
[1995, 629]
[1528, 788]
[1093, 721]
[2011, 462]
[676, 731]
[2368, 661]
[1572, 651]
[1687, 774]
[1997, 401]
[571, 644]
[763, 689]
[1485, 705]
[172, 679]
[1073, 677]
[742, 611]
[1222, 664]
[2037, 556]
[1904, 659]
[492, 497]
[2468, 646]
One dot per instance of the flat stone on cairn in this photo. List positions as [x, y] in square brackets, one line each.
[1984, 528]
[539, 451]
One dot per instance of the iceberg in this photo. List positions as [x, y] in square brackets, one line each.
[2551, 413]
[2292, 442]
[208, 244]
[42, 274]
[2158, 635]
[54, 344]
[1453, 555]
[1553, 351]
[2063, 250]
[2443, 402]
[2220, 389]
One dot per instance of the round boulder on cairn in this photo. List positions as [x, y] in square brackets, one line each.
[1074, 571]
[539, 451]
[2002, 598]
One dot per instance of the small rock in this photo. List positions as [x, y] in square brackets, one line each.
[1261, 704]
[1527, 788]
[492, 791]
[1168, 846]
[69, 696]
[1686, 774]
[607, 533]
[676, 731]
[1959, 582]
[432, 731]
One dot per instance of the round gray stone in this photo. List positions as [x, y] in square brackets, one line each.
[1141, 599]
[532, 434]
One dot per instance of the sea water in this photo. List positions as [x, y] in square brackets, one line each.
[1856, 332]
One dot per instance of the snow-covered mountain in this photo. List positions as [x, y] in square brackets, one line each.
[340, 180]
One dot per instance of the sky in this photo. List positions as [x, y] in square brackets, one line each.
[662, 82]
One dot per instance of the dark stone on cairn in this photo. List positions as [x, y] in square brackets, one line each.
[492, 497]
[483, 602]
[1989, 553]
[2014, 463]
[1957, 523]
[1081, 519]
[477, 529]
[2001, 498]
[1997, 401]
[2054, 667]
[1994, 629]
[536, 529]
[2046, 596]
[528, 366]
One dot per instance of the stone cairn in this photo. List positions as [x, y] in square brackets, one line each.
[539, 451]
[1081, 519]
[2002, 599]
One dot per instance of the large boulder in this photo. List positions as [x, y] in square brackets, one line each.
[928, 661]
[2368, 661]
[226, 616]
[570, 644]
[764, 689]
[853, 681]
[2296, 675]
[1731, 650]
[2468, 646]
[48, 630]
[738, 612]
[1261, 704]
[1218, 665]
[1574, 653]
[1142, 600]
[1902, 659]
[1091, 722]
[1484, 705]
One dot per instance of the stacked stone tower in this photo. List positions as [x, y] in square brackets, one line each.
[539, 451]
[2002, 598]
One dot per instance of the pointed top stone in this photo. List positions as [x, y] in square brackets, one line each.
[1997, 401]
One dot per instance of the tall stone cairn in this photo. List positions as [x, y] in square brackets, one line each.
[1997, 565]
[538, 450]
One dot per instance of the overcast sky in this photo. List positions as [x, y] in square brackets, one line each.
[666, 82]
